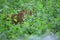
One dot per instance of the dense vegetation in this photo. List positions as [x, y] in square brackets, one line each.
[45, 17]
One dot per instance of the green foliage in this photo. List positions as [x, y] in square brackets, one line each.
[46, 16]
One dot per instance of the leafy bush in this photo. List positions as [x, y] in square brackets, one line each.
[45, 18]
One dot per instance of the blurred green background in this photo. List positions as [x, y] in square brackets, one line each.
[45, 18]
